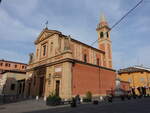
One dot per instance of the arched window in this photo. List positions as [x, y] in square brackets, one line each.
[107, 34]
[37, 53]
[97, 61]
[85, 58]
[44, 50]
[51, 49]
[101, 34]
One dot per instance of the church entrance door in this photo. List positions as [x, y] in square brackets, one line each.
[41, 86]
[29, 89]
[57, 87]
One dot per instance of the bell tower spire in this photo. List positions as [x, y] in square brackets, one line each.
[103, 21]
[104, 42]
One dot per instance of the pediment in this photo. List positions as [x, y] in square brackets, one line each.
[45, 34]
[42, 37]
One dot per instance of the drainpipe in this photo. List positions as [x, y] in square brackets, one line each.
[99, 82]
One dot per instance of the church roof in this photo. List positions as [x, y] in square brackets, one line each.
[103, 23]
[88, 45]
[2, 60]
[133, 69]
[47, 31]
[52, 32]
[13, 71]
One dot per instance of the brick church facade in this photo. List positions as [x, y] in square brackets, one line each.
[69, 67]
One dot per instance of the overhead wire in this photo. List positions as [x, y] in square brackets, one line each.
[126, 14]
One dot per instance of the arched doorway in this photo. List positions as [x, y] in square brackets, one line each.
[41, 86]
[57, 88]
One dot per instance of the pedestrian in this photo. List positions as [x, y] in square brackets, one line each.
[77, 98]
[73, 102]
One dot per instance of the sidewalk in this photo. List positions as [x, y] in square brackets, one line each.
[40, 105]
[25, 106]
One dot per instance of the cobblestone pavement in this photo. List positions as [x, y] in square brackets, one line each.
[33, 106]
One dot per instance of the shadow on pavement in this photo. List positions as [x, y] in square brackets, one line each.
[1, 108]
[54, 110]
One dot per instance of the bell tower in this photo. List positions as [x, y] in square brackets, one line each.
[104, 42]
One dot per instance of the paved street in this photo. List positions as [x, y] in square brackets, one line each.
[128, 106]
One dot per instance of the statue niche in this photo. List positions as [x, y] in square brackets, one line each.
[58, 48]
[67, 43]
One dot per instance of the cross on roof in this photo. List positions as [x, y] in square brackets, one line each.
[46, 24]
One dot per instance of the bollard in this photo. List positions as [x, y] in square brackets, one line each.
[110, 99]
[134, 96]
[95, 102]
[140, 96]
[122, 98]
[128, 97]
[73, 103]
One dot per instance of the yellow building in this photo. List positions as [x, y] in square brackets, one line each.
[138, 77]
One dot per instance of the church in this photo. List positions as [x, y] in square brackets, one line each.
[68, 67]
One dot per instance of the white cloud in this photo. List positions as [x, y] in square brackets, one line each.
[144, 55]
[13, 29]
[117, 60]
[13, 56]
[142, 24]
[20, 20]
[140, 57]
[22, 7]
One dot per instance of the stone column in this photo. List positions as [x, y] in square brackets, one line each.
[67, 80]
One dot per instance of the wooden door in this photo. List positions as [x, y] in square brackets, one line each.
[57, 87]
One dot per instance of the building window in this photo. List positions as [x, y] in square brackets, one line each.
[107, 34]
[22, 67]
[142, 79]
[49, 79]
[12, 87]
[37, 53]
[44, 50]
[1, 64]
[51, 47]
[101, 34]
[97, 61]
[85, 58]
[59, 43]
[6, 64]
[130, 80]
[15, 66]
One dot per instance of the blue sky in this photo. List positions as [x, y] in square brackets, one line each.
[21, 21]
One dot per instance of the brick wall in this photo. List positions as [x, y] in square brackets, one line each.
[91, 78]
